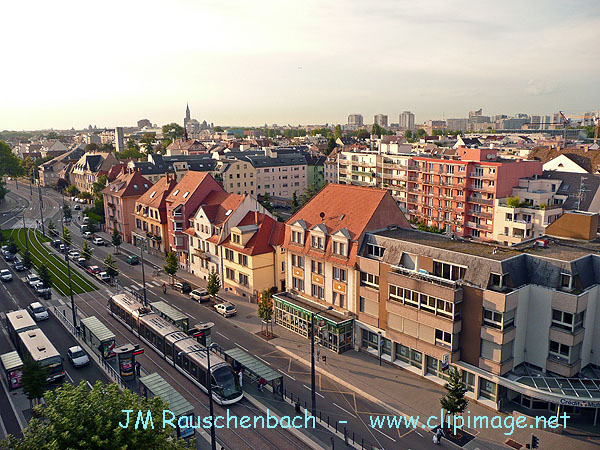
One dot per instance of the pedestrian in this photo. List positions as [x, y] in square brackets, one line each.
[164, 288]
[261, 384]
[439, 433]
[332, 443]
[241, 375]
[325, 359]
[138, 367]
[318, 353]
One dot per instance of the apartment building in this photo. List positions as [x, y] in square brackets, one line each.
[150, 215]
[535, 203]
[381, 120]
[330, 169]
[182, 203]
[90, 166]
[158, 165]
[322, 241]
[51, 171]
[120, 197]
[455, 195]
[407, 121]
[280, 175]
[238, 176]
[355, 120]
[186, 147]
[521, 324]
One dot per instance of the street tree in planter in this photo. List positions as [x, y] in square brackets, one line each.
[265, 311]
[27, 260]
[67, 214]
[86, 251]
[12, 247]
[67, 238]
[116, 240]
[34, 380]
[51, 228]
[213, 285]
[171, 265]
[92, 227]
[111, 267]
[45, 276]
[454, 402]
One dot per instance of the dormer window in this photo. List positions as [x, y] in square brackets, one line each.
[340, 248]
[497, 281]
[317, 242]
[176, 192]
[566, 281]
[298, 237]
[236, 238]
[375, 250]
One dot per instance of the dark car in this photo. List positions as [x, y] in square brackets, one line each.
[76, 207]
[9, 256]
[19, 266]
[132, 260]
[56, 243]
[182, 286]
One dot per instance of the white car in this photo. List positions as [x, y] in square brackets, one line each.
[98, 241]
[38, 311]
[103, 276]
[74, 255]
[78, 356]
[200, 295]
[87, 235]
[33, 279]
[226, 309]
[5, 275]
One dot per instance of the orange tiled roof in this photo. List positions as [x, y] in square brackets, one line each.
[189, 183]
[128, 184]
[217, 203]
[263, 240]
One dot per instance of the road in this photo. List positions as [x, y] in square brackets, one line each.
[333, 400]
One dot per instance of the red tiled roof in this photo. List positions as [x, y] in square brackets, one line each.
[217, 203]
[128, 184]
[155, 197]
[190, 182]
[190, 231]
[263, 240]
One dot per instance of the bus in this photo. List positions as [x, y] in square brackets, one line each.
[35, 344]
[18, 321]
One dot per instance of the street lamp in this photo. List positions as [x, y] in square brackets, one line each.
[380, 345]
[143, 274]
[62, 225]
[213, 437]
[312, 359]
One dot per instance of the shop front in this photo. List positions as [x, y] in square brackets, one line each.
[332, 329]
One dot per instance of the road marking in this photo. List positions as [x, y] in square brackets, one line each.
[67, 374]
[418, 433]
[176, 307]
[242, 347]
[60, 300]
[289, 376]
[390, 438]
[267, 363]
[222, 335]
[315, 391]
[347, 412]
[89, 384]
[191, 316]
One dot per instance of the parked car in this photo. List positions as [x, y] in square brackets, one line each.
[98, 241]
[32, 279]
[9, 256]
[94, 270]
[226, 309]
[103, 276]
[200, 295]
[87, 235]
[18, 265]
[5, 275]
[42, 291]
[4, 249]
[56, 243]
[38, 311]
[83, 229]
[74, 255]
[81, 261]
[77, 207]
[182, 286]
[85, 220]
[132, 260]
[63, 248]
[77, 356]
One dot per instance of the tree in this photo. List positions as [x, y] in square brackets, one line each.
[408, 134]
[454, 402]
[362, 134]
[266, 202]
[218, 129]
[45, 276]
[67, 213]
[421, 133]
[513, 202]
[91, 147]
[86, 251]
[111, 266]
[79, 417]
[265, 309]
[213, 285]
[84, 195]
[171, 265]
[331, 144]
[294, 202]
[12, 247]
[10, 165]
[51, 227]
[27, 260]
[67, 238]
[108, 147]
[72, 190]
[34, 380]
[92, 226]
[172, 131]
[116, 239]
[376, 130]
[338, 132]
[99, 185]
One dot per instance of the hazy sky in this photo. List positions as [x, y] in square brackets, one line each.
[72, 63]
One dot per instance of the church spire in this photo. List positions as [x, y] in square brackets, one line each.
[187, 111]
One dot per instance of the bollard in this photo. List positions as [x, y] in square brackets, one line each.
[353, 437]
[362, 444]
[336, 426]
[320, 416]
[327, 421]
[345, 437]
[297, 407]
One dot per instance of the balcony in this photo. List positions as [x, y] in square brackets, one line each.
[364, 174]
[482, 175]
[424, 276]
[110, 205]
[483, 201]
[474, 212]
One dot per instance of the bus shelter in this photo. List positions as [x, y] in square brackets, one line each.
[98, 336]
[12, 366]
[253, 368]
[176, 317]
[154, 385]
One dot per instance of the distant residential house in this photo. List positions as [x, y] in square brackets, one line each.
[51, 171]
[185, 147]
[463, 141]
[566, 163]
[315, 171]
[238, 176]
[158, 165]
[90, 166]
[53, 147]
[120, 197]
[150, 215]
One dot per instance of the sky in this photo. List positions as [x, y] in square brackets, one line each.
[74, 63]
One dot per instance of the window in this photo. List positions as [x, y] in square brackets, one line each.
[316, 267]
[567, 321]
[317, 291]
[396, 293]
[298, 284]
[236, 238]
[229, 274]
[443, 338]
[317, 242]
[229, 254]
[566, 281]
[298, 261]
[339, 274]
[297, 237]
[370, 280]
[492, 318]
[375, 250]
[559, 350]
[361, 304]
[448, 271]
[243, 279]
[339, 248]
[242, 260]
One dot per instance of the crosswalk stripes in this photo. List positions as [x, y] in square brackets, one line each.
[156, 283]
[109, 293]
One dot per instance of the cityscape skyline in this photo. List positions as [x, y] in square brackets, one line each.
[251, 65]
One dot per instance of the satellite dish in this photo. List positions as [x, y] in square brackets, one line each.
[322, 215]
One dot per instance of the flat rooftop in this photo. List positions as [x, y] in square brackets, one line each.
[557, 249]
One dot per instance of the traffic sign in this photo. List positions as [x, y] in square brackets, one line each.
[445, 361]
